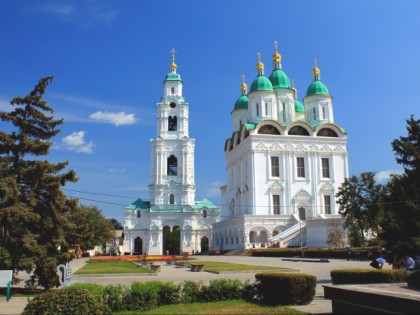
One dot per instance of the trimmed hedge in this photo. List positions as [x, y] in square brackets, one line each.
[66, 301]
[285, 288]
[359, 276]
[413, 280]
[311, 253]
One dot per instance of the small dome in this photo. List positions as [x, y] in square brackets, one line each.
[173, 76]
[261, 83]
[241, 103]
[317, 88]
[279, 79]
[299, 107]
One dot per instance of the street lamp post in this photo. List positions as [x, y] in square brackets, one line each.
[301, 217]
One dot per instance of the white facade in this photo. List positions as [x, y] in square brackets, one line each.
[283, 158]
[172, 207]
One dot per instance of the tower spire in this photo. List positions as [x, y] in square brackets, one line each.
[276, 57]
[244, 87]
[173, 66]
[316, 72]
[260, 65]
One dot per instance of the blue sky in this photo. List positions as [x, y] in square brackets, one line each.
[109, 59]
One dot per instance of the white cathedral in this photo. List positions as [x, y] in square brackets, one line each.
[285, 162]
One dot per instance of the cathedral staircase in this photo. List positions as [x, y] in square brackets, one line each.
[289, 234]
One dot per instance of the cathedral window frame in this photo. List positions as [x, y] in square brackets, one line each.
[171, 199]
[172, 90]
[284, 111]
[173, 123]
[327, 206]
[276, 203]
[274, 166]
[325, 168]
[172, 166]
[138, 214]
[300, 167]
[314, 113]
[257, 110]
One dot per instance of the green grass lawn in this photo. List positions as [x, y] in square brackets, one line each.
[109, 267]
[225, 307]
[224, 266]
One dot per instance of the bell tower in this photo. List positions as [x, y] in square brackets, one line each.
[172, 173]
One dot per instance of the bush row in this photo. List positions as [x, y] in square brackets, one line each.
[359, 276]
[89, 298]
[310, 253]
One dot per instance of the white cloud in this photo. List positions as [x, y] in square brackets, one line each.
[88, 148]
[385, 176]
[117, 119]
[75, 139]
[81, 13]
[76, 142]
[116, 170]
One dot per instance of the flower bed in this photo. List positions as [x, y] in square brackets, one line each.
[140, 257]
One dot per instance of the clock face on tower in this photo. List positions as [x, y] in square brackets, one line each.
[173, 105]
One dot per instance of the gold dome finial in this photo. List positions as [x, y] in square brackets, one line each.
[244, 87]
[260, 65]
[276, 56]
[173, 65]
[316, 72]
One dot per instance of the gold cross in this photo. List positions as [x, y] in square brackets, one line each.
[173, 55]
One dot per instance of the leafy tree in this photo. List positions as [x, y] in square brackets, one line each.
[359, 199]
[116, 224]
[335, 236]
[89, 227]
[33, 208]
[401, 221]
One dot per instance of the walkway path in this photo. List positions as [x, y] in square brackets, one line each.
[171, 273]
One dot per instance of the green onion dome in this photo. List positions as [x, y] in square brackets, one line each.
[261, 83]
[279, 79]
[317, 87]
[241, 103]
[299, 107]
[173, 76]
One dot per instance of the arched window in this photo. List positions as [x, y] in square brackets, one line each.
[138, 214]
[172, 123]
[172, 90]
[204, 213]
[257, 110]
[298, 131]
[172, 166]
[268, 130]
[314, 112]
[171, 199]
[326, 132]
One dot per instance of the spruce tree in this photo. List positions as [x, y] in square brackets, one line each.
[401, 221]
[34, 211]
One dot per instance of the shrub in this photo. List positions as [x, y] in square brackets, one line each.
[168, 292]
[115, 296]
[286, 288]
[66, 301]
[191, 291]
[223, 289]
[143, 296]
[413, 280]
[357, 276]
[94, 289]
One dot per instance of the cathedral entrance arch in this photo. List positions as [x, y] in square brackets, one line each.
[138, 246]
[171, 240]
[204, 244]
